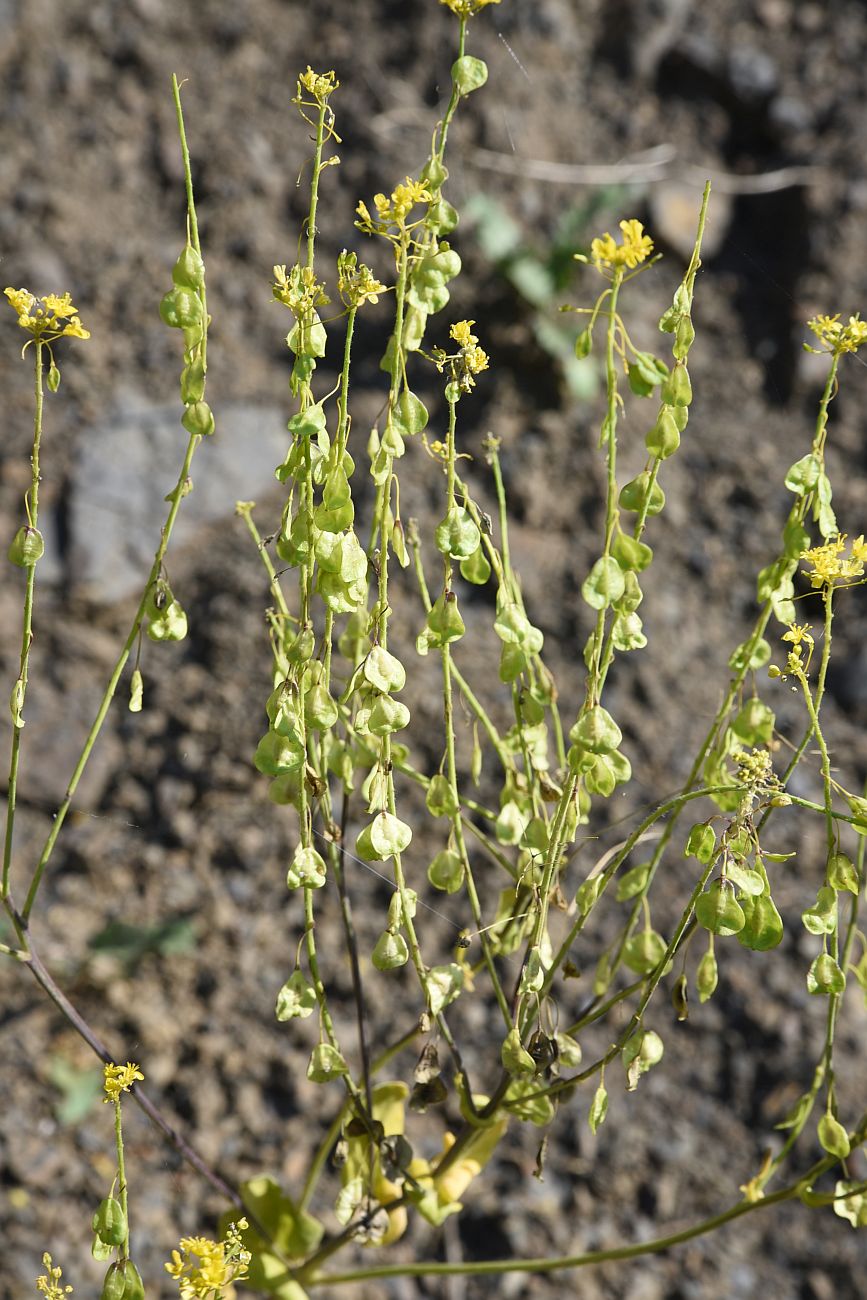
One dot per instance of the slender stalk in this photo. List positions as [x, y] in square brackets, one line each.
[121, 1173]
[26, 624]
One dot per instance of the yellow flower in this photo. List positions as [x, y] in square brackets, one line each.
[798, 633]
[299, 290]
[318, 84]
[467, 8]
[202, 1268]
[47, 318]
[836, 336]
[356, 283]
[120, 1078]
[471, 359]
[393, 210]
[832, 567]
[636, 246]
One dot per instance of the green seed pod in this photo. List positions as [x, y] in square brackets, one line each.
[514, 1056]
[644, 952]
[192, 382]
[663, 439]
[198, 418]
[390, 951]
[681, 417]
[476, 568]
[598, 1108]
[170, 625]
[444, 620]
[27, 547]
[442, 218]
[834, 1137]
[53, 379]
[633, 882]
[109, 1222]
[631, 554]
[434, 174]
[763, 928]
[114, 1283]
[320, 711]
[278, 755]
[677, 389]
[684, 337]
[326, 1063]
[707, 976]
[468, 74]
[181, 309]
[825, 976]
[841, 873]
[383, 671]
[387, 716]
[306, 869]
[680, 998]
[446, 871]
[634, 494]
[296, 999]
[597, 731]
[457, 535]
[440, 798]
[583, 344]
[189, 270]
[719, 911]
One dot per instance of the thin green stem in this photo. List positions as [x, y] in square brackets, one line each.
[121, 1173]
[108, 695]
[20, 690]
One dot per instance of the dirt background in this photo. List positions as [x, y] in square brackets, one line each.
[174, 829]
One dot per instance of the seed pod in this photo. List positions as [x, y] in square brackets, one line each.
[842, 873]
[434, 174]
[583, 344]
[189, 270]
[446, 871]
[684, 337]
[440, 799]
[193, 382]
[707, 976]
[634, 494]
[109, 1222]
[680, 998]
[114, 1283]
[644, 952]
[834, 1137]
[27, 547]
[53, 379]
[198, 418]
[663, 439]
[719, 911]
[326, 1063]
[677, 389]
[390, 951]
[181, 309]
[514, 1056]
[597, 731]
[468, 74]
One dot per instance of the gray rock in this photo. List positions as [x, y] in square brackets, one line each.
[124, 470]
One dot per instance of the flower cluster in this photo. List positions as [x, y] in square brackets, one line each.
[356, 283]
[299, 290]
[831, 566]
[49, 1283]
[606, 253]
[120, 1078]
[837, 337]
[202, 1268]
[47, 318]
[319, 85]
[471, 360]
[755, 769]
[393, 210]
[467, 8]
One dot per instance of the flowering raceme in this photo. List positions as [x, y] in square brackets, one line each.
[635, 248]
[50, 317]
[836, 336]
